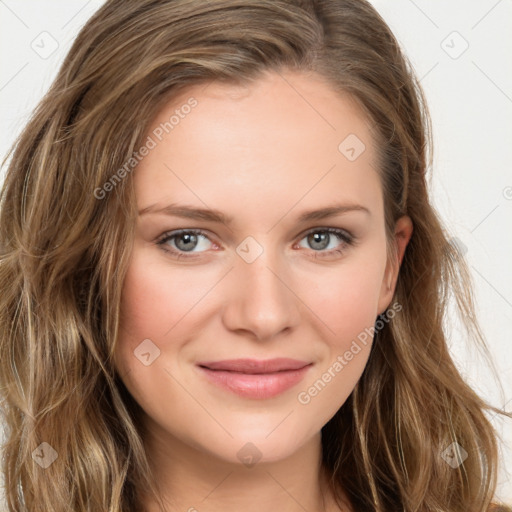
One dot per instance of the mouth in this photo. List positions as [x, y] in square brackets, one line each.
[255, 379]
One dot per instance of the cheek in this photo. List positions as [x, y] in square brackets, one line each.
[346, 300]
[156, 299]
[156, 304]
[347, 305]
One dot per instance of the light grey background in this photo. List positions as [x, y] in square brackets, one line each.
[462, 52]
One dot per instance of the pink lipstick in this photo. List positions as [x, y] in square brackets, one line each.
[257, 379]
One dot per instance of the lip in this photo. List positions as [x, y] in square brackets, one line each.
[253, 378]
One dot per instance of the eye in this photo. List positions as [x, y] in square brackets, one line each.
[184, 241]
[333, 239]
[187, 243]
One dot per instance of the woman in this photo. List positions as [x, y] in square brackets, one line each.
[223, 282]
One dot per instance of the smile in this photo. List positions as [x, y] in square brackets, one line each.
[255, 379]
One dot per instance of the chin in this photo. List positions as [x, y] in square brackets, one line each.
[252, 446]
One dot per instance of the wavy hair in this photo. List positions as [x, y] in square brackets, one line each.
[64, 252]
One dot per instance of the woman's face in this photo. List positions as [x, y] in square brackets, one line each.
[243, 338]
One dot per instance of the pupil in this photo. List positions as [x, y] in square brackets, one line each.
[319, 238]
[189, 238]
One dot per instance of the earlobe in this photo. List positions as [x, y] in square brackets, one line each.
[387, 289]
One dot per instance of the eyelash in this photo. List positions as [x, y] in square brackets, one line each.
[344, 236]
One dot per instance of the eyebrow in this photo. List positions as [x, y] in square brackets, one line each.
[212, 215]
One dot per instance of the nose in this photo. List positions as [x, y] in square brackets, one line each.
[262, 300]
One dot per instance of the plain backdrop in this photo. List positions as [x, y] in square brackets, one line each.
[462, 52]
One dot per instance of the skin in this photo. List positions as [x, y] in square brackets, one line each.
[262, 154]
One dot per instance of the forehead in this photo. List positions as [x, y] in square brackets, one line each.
[277, 137]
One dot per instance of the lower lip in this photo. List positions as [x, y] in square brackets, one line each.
[258, 386]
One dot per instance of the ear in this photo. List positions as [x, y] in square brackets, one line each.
[403, 233]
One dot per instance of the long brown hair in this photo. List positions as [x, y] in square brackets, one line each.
[66, 237]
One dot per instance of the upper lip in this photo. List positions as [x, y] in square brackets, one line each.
[255, 366]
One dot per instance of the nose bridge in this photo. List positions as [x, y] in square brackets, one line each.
[261, 302]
